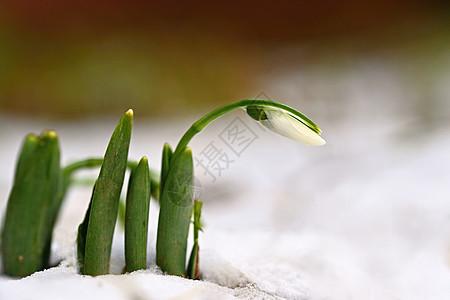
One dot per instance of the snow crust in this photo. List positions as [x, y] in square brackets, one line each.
[365, 217]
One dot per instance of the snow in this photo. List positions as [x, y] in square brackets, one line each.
[366, 216]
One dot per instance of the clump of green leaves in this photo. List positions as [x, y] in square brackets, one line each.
[40, 186]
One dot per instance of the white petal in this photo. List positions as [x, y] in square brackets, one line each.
[286, 125]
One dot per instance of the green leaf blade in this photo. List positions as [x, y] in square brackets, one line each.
[193, 271]
[105, 200]
[136, 217]
[31, 208]
[175, 215]
[165, 165]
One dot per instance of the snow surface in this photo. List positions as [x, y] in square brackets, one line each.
[366, 216]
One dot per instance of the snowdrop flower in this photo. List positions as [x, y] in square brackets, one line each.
[294, 127]
[276, 116]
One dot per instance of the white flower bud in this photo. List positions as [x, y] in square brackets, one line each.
[286, 124]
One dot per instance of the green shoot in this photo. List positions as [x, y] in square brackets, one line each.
[96, 232]
[32, 206]
[136, 217]
[175, 215]
[193, 271]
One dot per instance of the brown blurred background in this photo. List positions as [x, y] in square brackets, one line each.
[74, 57]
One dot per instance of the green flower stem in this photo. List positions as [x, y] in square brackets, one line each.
[87, 163]
[68, 171]
[67, 180]
[177, 170]
[201, 123]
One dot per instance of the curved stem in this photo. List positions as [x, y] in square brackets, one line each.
[67, 171]
[87, 163]
[201, 123]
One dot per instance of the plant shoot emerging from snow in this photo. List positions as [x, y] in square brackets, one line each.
[95, 233]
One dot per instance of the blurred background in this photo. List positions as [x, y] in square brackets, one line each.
[67, 59]
[367, 216]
